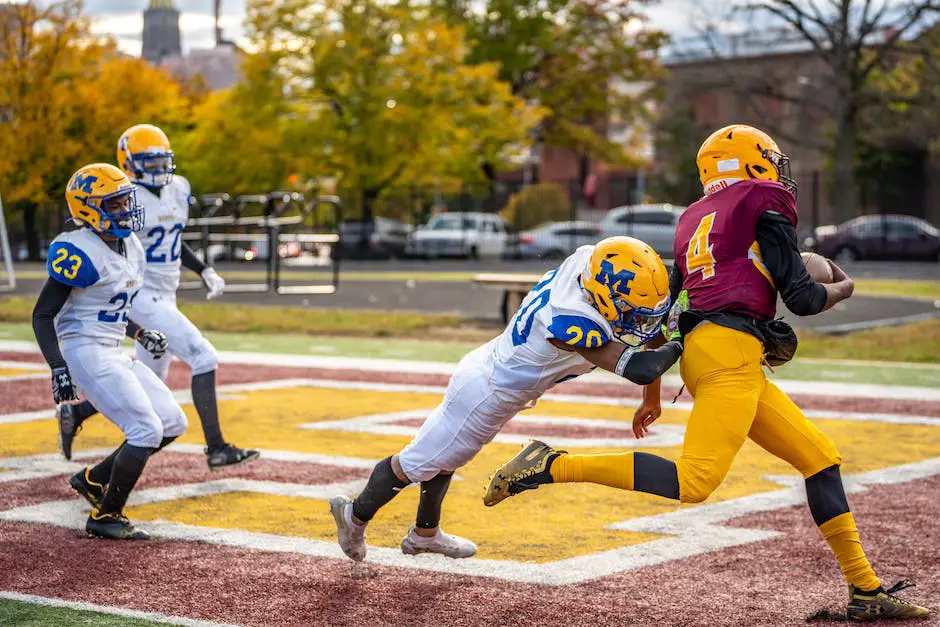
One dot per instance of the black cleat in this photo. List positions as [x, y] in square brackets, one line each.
[113, 527]
[69, 425]
[87, 489]
[230, 455]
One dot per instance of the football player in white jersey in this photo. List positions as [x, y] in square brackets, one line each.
[566, 326]
[145, 156]
[80, 318]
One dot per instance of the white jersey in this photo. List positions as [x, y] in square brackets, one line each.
[164, 220]
[104, 284]
[525, 363]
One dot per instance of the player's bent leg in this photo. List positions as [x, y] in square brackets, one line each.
[722, 369]
[426, 536]
[171, 415]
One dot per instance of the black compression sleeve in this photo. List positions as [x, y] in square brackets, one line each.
[777, 240]
[50, 302]
[675, 282]
[189, 259]
[644, 367]
[132, 329]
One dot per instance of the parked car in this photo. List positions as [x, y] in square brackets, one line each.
[896, 237]
[469, 234]
[382, 238]
[554, 240]
[654, 224]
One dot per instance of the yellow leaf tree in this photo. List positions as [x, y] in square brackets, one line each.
[385, 93]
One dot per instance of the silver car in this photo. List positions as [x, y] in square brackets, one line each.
[556, 240]
[653, 224]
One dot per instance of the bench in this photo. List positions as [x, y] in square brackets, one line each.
[513, 286]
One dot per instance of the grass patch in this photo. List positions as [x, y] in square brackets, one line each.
[260, 319]
[927, 290]
[22, 614]
[918, 342]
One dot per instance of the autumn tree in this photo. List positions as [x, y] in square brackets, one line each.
[385, 93]
[586, 61]
[855, 39]
[65, 98]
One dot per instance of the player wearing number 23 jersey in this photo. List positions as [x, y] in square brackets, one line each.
[80, 318]
[595, 309]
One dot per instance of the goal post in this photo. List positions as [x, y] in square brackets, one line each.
[10, 283]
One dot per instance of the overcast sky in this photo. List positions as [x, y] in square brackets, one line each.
[124, 20]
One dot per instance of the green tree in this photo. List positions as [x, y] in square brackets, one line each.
[384, 93]
[575, 57]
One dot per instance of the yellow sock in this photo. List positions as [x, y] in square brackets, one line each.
[614, 470]
[842, 536]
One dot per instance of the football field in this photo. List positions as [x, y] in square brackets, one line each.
[256, 545]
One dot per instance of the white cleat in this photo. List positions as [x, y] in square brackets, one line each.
[352, 537]
[445, 544]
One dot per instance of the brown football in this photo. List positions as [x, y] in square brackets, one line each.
[818, 267]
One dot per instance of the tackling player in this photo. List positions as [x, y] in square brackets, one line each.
[564, 328]
[735, 251]
[145, 156]
[80, 318]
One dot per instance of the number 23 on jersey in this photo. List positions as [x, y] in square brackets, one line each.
[699, 257]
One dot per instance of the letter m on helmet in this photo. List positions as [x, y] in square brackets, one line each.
[84, 182]
[618, 282]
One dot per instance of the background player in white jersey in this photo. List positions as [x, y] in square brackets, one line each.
[95, 274]
[564, 328]
[145, 156]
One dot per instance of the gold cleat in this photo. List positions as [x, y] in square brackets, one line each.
[882, 604]
[526, 471]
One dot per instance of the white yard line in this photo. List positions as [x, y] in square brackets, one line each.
[109, 609]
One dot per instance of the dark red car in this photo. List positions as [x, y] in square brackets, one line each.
[895, 237]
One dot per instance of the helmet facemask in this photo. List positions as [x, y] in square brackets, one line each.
[781, 164]
[152, 169]
[117, 223]
[636, 326]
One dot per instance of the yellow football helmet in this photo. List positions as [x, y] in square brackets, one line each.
[626, 281]
[742, 152]
[144, 153]
[90, 195]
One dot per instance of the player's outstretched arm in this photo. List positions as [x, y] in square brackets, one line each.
[642, 367]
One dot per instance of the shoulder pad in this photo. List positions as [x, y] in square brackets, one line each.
[69, 264]
[578, 331]
[773, 196]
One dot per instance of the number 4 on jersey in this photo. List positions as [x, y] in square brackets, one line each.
[699, 255]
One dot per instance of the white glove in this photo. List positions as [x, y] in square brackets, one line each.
[215, 284]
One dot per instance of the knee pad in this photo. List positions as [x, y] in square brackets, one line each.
[696, 481]
[416, 470]
[175, 424]
[145, 433]
[201, 357]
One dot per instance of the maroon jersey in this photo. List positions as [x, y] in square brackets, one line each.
[717, 253]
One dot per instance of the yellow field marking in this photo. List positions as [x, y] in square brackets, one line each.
[548, 524]
[12, 372]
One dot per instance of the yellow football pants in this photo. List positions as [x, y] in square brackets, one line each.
[734, 400]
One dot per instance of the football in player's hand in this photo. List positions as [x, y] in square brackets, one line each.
[818, 267]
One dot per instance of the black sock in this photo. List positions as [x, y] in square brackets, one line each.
[164, 443]
[382, 487]
[203, 388]
[83, 411]
[655, 475]
[825, 495]
[128, 464]
[101, 472]
[432, 495]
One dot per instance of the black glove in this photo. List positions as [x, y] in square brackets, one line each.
[63, 389]
[154, 342]
[780, 341]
